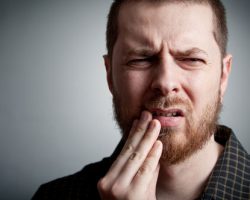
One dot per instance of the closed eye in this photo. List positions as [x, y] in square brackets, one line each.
[191, 61]
[141, 62]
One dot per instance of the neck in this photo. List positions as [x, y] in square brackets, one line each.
[187, 180]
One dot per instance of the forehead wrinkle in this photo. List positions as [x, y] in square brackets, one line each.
[141, 51]
[145, 35]
[139, 43]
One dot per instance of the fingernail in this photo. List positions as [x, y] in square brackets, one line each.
[144, 116]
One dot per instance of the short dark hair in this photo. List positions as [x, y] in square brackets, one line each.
[219, 13]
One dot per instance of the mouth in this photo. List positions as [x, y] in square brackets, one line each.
[169, 118]
[167, 113]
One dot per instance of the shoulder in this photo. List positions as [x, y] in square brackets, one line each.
[230, 178]
[81, 185]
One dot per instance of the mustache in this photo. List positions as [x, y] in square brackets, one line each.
[161, 102]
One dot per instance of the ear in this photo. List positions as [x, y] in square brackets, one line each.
[226, 69]
[107, 62]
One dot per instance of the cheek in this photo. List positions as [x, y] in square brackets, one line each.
[132, 85]
[202, 89]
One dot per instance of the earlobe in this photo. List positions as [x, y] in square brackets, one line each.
[226, 69]
[107, 62]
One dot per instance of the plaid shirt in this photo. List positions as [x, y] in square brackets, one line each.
[230, 179]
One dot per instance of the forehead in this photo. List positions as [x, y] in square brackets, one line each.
[176, 23]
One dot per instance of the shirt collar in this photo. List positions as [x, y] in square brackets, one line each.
[228, 173]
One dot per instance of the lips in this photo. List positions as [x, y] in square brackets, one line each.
[172, 117]
[168, 113]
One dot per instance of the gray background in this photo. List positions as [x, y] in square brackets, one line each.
[55, 107]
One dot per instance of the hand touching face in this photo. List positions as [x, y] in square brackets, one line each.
[134, 174]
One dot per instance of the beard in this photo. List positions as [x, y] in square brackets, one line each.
[178, 143]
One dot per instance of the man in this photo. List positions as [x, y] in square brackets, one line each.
[167, 69]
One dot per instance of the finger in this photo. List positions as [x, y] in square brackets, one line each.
[148, 172]
[137, 131]
[136, 134]
[137, 158]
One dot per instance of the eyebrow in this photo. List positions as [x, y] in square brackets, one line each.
[189, 52]
[147, 51]
[141, 52]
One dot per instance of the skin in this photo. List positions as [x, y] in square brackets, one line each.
[188, 65]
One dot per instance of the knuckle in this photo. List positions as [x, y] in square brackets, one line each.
[128, 148]
[116, 190]
[146, 168]
[143, 170]
[102, 184]
[139, 129]
[136, 156]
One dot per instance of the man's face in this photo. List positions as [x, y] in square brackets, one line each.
[166, 61]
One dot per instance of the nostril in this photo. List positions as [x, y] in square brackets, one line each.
[164, 87]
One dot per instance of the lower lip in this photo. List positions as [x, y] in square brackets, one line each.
[169, 121]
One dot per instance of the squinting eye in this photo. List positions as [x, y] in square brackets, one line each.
[192, 61]
[140, 63]
[195, 60]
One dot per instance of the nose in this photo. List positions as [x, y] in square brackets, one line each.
[166, 78]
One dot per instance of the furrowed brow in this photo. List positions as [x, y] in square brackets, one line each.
[141, 52]
[189, 52]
